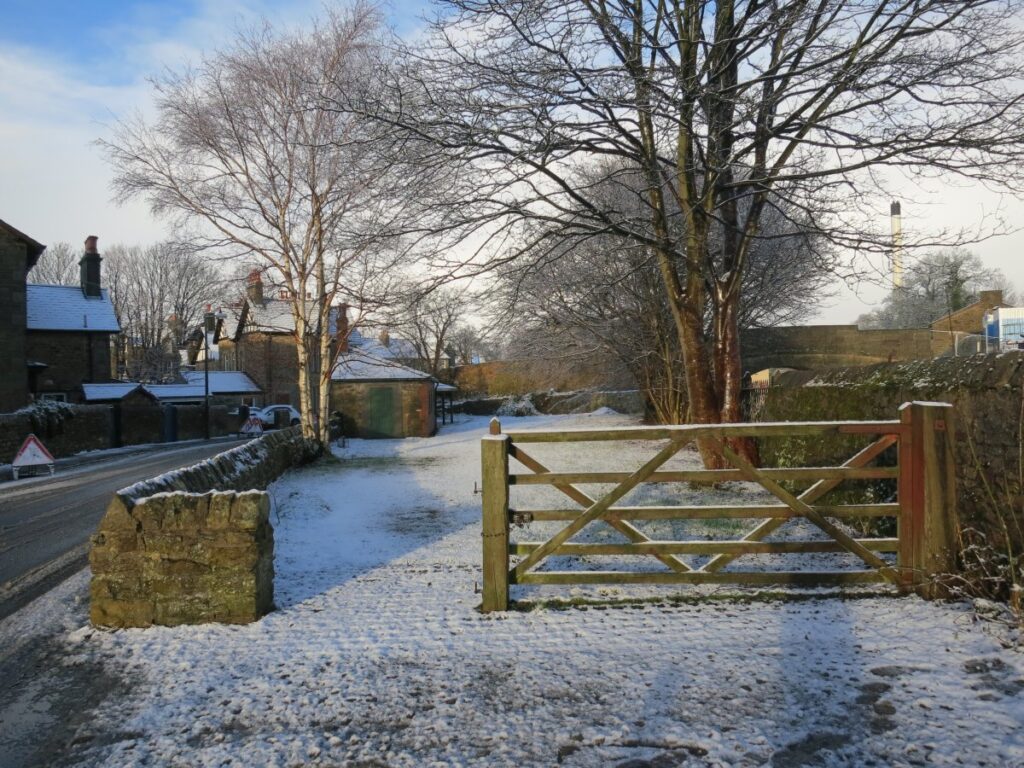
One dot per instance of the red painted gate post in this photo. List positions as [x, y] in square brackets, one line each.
[927, 494]
[494, 469]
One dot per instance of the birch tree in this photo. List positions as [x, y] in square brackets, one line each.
[242, 154]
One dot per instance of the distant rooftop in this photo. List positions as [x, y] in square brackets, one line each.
[221, 383]
[224, 382]
[356, 365]
[66, 308]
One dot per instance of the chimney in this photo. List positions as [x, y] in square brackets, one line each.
[89, 267]
[254, 287]
[897, 245]
[385, 338]
[341, 325]
[990, 299]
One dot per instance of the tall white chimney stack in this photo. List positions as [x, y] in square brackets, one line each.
[897, 245]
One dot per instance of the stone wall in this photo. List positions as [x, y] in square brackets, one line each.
[183, 558]
[623, 401]
[520, 377]
[194, 545]
[64, 430]
[812, 347]
[988, 393]
[255, 464]
[69, 429]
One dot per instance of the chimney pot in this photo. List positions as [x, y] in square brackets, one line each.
[90, 244]
[254, 289]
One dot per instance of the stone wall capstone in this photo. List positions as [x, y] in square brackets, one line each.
[987, 392]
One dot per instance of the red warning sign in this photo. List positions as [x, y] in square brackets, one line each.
[32, 454]
[252, 426]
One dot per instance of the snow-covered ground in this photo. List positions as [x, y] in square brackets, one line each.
[378, 655]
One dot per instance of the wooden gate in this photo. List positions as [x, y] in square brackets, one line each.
[924, 507]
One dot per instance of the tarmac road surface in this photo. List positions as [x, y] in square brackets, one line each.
[45, 522]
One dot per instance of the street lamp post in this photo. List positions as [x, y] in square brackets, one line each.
[209, 326]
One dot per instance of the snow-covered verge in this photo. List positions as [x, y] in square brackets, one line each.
[378, 655]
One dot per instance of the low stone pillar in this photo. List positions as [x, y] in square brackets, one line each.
[183, 558]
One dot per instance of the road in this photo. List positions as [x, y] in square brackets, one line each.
[45, 522]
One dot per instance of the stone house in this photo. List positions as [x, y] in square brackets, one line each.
[18, 254]
[258, 338]
[381, 398]
[54, 338]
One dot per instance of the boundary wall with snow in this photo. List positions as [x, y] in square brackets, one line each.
[988, 394]
[68, 429]
[194, 545]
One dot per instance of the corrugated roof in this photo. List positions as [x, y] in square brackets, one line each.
[224, 382]
[356, 365]
[66, 308]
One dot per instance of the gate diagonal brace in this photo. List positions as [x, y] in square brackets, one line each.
[628, 530]
[807, 511]
[812, 494]
[599, 508]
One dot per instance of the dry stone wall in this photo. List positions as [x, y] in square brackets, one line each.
[183, 558]
[194, 545]
[987, 392]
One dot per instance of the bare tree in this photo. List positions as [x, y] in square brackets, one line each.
[937, 284]
[727, 109]
[430, 319]
[160, 294]
[58, 265]
[242, 152]
[604, 296]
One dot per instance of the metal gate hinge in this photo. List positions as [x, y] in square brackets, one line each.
[521, 518]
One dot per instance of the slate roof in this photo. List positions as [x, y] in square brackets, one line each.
[224, 382]
[396, 349]
[356, 365]
[221, 383]
[272, 316]
[66, 308]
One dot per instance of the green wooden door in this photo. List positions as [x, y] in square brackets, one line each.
[385, 412]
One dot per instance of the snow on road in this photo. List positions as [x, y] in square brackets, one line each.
[378, 656]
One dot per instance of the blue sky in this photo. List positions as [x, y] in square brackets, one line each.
[70, 68]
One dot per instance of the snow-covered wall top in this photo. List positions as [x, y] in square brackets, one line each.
[251, 466]
[1005, 370]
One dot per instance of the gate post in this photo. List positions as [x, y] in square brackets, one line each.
[494, 469]
[927, 492]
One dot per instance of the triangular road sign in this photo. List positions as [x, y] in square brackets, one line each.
[32, 453]
[252, 426]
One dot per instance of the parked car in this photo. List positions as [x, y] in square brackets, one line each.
[268, 415]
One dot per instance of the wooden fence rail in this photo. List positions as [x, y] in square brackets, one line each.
[924, 508]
